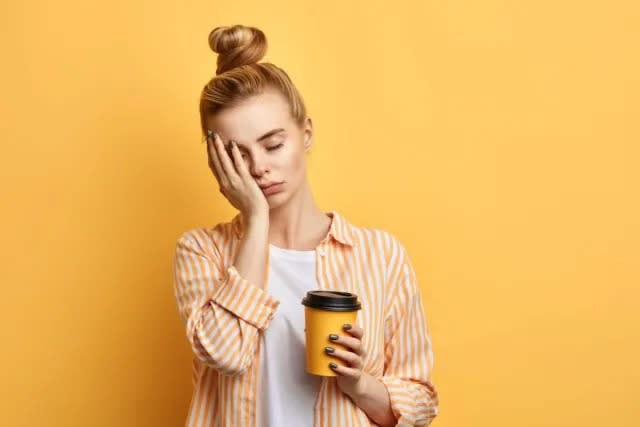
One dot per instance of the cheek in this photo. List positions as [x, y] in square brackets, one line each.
[295, 163]
[287, 160]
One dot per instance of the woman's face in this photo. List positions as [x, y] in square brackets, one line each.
[273, 146]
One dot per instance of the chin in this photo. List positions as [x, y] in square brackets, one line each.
[277, 199]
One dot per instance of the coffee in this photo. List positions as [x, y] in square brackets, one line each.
[325, 313]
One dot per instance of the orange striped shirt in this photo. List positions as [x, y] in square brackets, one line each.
[223, 314]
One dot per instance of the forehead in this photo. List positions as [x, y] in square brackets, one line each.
[251, 118]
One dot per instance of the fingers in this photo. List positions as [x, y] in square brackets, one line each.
[345, 371]
[354, 344]
[239, 161]
[352, 359]
[354, 330]
[225, 160]
[214, 161]
[354, 354]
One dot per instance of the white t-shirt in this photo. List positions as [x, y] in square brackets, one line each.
[286, 391]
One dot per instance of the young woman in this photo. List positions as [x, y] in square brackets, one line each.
[239, 284]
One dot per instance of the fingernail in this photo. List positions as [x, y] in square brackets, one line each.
[329, 349]
[333, 337]
[333, 365]
[347, 326]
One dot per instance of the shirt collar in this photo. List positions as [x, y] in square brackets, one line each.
[340, 230]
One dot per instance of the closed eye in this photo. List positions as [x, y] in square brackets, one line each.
[275, 147]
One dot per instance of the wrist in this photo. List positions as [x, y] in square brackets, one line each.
[362, 386]
[372, 396]
[261, 216]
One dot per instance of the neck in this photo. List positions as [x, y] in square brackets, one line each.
[298, 224]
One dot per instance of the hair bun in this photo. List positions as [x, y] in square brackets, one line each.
[237, 45]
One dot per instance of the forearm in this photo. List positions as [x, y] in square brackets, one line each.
[374, 400]
[221, 326]
[251, 257]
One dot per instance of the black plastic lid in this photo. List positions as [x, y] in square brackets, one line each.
[331, 300]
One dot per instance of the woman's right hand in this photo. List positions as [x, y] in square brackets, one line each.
[234, 179]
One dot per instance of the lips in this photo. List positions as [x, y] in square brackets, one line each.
[264, 187]
[273, 188]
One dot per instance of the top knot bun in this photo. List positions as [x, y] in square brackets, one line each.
[237, 45]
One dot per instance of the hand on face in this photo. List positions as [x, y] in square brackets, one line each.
[234, 179]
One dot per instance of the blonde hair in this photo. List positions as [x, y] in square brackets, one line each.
[239, 75]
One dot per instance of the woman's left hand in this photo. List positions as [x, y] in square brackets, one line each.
[350, 378]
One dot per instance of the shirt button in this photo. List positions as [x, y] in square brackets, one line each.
[321, 252]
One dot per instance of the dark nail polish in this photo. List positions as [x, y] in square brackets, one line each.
[329, 349]
[347, 326]
[333, 365]
[333, 337]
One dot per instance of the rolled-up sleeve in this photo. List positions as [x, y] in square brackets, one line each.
[408, 364]
[223, 313]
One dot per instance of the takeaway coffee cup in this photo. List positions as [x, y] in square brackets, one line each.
[324, 313]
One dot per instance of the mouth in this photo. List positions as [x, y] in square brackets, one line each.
[273, 188]
[270, 185]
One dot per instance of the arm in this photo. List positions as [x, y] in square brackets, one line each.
[373, 398]
[408, 351]
[223, 309]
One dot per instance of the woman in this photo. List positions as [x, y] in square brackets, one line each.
[239, 285]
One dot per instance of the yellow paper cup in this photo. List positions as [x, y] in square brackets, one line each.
[324, 313]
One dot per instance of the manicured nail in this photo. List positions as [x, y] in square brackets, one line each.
[333, 337]
[347, 326]
[333, 365]
[329, 349]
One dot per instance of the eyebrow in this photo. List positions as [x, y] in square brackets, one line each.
[268, 134]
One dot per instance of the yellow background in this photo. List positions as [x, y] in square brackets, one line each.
[498, 140]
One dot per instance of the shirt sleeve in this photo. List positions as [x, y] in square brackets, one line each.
[223, 313]
[408, 351]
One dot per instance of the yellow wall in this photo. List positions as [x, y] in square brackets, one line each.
[498, 140]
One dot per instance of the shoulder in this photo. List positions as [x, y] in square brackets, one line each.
[385, 248]
[380, 240]
[208, 239]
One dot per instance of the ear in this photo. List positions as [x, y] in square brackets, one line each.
[307, 130]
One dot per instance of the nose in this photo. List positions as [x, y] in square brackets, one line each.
[258, 165]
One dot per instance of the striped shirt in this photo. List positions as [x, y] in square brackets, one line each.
[223, 315]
